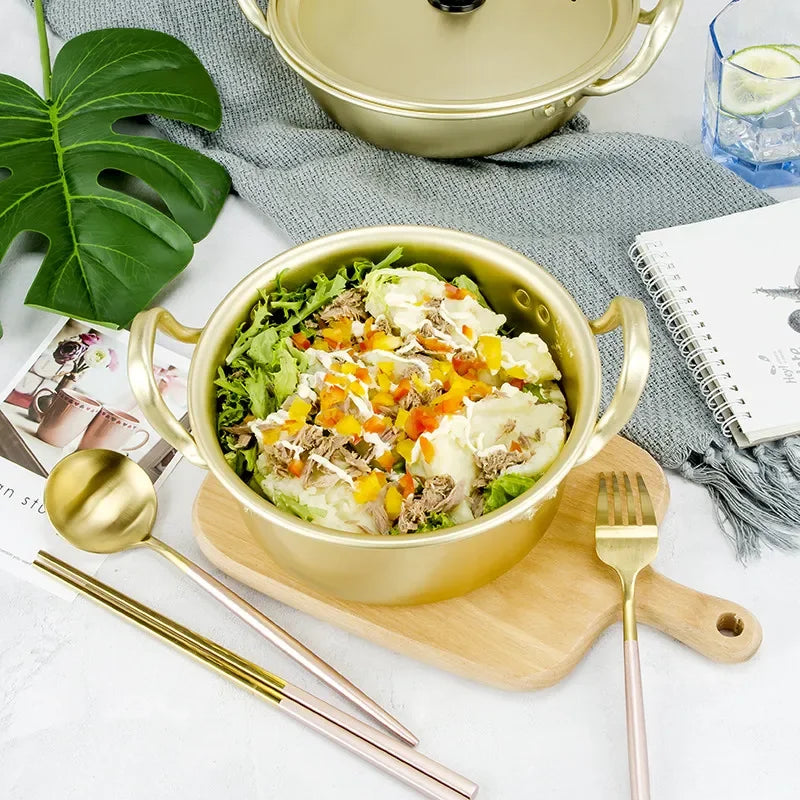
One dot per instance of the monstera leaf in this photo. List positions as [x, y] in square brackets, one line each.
[108, 251]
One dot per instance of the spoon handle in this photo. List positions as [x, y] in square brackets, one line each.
[281, 639]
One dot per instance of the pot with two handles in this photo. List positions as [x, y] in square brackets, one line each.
[421, 567]
[456, 78]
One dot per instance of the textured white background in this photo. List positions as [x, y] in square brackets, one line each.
[91, 708]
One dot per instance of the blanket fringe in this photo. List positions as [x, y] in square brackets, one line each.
[756, 493]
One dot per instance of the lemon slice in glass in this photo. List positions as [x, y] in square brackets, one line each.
[792, 49]
[757, 80]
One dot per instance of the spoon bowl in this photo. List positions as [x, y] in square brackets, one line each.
[101, 501]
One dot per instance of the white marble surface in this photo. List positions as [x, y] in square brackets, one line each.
[91, 708]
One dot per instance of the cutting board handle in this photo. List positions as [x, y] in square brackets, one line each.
[719, 629]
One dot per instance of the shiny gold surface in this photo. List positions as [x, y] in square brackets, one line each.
[264, 683]
[417, 568]
[103, 502]
[626, 538]
[460, 84]
[100, 501]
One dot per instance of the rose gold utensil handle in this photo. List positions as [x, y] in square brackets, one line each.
[283, 640]
[637, 737]
[369, 752]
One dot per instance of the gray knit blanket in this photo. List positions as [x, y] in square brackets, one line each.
[573, 203]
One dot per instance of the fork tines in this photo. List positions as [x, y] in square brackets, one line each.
[636, 510]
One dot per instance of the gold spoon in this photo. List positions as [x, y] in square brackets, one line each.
[103, 502]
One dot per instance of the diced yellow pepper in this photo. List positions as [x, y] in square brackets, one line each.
[384, 382]
[386, 367]
[386, 459]
[393, 502]
[348, 368]
[293, 426]
[368, 487]
[382, 399]
[419, 384]
[299, 409]
[428, 450]
[517, 371]
[348, 425]
[459, 384]
[490, 349]
[404, 448]
[386, 341]
[271, 436]
[358, 389]
[400, 420]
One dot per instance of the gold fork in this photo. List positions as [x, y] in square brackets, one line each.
[627, 540]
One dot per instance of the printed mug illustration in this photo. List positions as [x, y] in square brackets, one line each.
[789, 293]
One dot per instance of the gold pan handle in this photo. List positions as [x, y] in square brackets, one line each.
[662, 20]
[143, 381]
[631, 316]
[255, 16]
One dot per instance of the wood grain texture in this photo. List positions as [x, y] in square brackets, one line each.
[528, 628]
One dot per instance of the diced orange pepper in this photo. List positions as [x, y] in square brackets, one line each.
[376, 424]
[434, 345]
[454, 293]
[299, 409]
[467, 331]
[468, 367]
[362, 373]
[428, 450]
[329, 417]
[406, 484]
[348, 426]
[518, 382]
[478, 390]
[490, 349]
[516, 447]
[293, 426]
[331, 396]
[386, 460]
[403, 388]
[421, 420]
[301, 340]
[368, 326]
[296, 467]
[393, 502]
[450, 402]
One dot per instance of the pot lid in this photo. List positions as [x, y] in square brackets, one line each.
[452, 55]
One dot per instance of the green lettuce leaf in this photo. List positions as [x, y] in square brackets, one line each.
[262, 347]
[504, 489]
[286, 502]
[469, 285]
[436, 521]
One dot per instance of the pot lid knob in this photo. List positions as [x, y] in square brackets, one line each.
[457, 6]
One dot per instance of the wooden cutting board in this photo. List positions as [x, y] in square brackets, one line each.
[529, 627]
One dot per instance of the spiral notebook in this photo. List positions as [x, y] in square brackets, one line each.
[729, 292]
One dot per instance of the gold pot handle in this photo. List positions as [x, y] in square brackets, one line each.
[631, 316]
[143, 380]
[255, 16]
[662, 20]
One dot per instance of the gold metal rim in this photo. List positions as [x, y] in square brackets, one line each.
[574, 85]
[238, 301]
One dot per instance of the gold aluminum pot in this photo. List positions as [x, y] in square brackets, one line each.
[424, 77]
[411, 568]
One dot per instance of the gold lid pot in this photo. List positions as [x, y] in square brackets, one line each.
[449, 78]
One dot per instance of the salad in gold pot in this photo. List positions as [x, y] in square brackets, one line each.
[387, 400]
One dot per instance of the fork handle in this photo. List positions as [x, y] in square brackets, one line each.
[637, 737]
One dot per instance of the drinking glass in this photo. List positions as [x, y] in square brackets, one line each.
[751, 116]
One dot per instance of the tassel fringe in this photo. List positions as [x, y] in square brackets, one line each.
[756, 493]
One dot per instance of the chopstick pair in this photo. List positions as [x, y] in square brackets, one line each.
[427, 776]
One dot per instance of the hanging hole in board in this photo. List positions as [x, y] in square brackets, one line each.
[730, 624]
[543, 314]
[522, 298]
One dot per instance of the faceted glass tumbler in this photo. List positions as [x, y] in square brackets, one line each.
[751, 121]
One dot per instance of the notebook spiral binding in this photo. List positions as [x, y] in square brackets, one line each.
[677, 308]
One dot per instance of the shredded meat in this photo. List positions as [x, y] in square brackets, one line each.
[309, 437]
[377, 510]
[242, 429]
[353, 461]
[277, 458]
[330, 445]
[476, 501]
[382, 324]
[434, 316]
[348, 305]
[509, 426]
[416, 398]
[439, 494]
[493, 464]
[243, 441]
